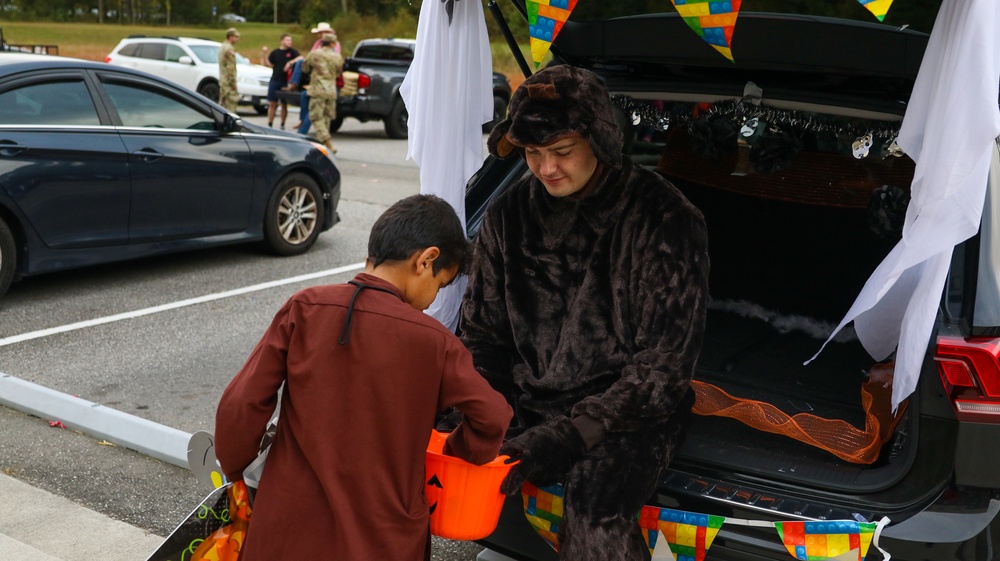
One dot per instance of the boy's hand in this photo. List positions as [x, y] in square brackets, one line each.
[547, 452]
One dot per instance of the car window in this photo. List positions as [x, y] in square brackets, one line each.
[174, 53]
[240, 59]
[131, 49]
[64, 102]
[153, 51]
[147, 107]
[209, 54]
[384, 52]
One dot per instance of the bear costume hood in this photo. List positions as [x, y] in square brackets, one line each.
[555, 102]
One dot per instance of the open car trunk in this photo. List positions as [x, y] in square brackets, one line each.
[789, 250]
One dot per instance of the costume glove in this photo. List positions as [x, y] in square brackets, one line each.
[546, 451]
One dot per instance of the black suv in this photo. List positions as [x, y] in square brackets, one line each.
[371, 93]
[797, 223]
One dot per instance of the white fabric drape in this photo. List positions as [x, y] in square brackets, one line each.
[949, 130]
[448, 92]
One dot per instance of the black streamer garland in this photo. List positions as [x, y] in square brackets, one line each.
[740, 112]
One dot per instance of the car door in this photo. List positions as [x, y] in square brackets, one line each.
[63, 166]
[183, 73]
[188, 179]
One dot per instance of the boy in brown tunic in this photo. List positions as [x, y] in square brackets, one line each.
[365, 372]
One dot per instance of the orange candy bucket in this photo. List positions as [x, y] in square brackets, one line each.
[465, 499]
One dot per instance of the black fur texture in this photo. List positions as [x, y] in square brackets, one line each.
[546, 451]
[594, 307]
[555, 102]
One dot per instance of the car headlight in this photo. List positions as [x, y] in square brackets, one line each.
[321, 148]
[248, 80]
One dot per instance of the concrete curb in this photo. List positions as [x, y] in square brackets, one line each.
[36, 525]
[142, 435]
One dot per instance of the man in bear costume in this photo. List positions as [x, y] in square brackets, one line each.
[586, 309]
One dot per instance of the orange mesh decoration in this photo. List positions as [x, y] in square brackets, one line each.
[836, 436]
[226, 543]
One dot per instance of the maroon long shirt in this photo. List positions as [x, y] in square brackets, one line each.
[344, 478]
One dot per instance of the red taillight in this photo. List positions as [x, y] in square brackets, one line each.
[340, 81]
[364, 80]
[970, 372]
[107, 58]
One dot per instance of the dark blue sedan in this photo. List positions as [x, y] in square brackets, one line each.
[101, 163]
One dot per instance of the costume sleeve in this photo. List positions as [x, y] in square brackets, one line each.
[249, 400]
[486, 329]
[485, 413]
[668, 292]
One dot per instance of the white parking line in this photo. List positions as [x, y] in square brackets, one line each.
[174, 305]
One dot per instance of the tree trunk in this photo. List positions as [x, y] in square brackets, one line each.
[100, 11]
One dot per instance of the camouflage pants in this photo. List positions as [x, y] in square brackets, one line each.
[321, 112]
[229, 98]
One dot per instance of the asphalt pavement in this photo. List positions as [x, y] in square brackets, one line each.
[74, 517]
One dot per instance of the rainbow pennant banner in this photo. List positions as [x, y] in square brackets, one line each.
[687, 536]
[840, 539]
[713, 21]
[545, 20]
[877, 7]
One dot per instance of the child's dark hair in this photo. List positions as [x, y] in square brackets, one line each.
[414, 224]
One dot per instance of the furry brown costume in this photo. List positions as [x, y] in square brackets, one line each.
[588, 315]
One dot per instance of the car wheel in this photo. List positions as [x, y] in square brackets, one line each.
[8, 257]
[294, 215]
[335, 124]
[499, 112]
[395, 122]
[210, 90]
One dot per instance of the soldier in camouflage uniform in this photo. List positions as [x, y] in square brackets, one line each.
[323, 66]
[229, 97]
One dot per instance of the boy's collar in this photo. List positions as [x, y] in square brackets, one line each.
[372, 280]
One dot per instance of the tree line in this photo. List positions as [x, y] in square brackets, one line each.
[198, 12]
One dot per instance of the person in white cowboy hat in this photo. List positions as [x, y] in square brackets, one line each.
[321, 29]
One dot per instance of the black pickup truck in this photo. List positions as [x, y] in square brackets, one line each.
[380, 66]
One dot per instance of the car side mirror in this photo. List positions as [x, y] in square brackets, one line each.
[186, 60]
[231, 123]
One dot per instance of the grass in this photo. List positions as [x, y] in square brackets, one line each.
[93, 41]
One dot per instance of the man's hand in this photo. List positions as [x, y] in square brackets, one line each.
[546, 452]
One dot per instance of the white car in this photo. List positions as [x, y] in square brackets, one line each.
[194, 64]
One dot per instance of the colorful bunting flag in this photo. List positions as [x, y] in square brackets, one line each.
[543, 507]
[545, 20]
[712, 20]
[877, 7]
[813, 541]
[687, 536]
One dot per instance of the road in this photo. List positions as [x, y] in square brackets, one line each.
[171, 366]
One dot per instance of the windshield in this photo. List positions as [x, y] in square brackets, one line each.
[916, 14]
[240, 59]
[209, 54]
